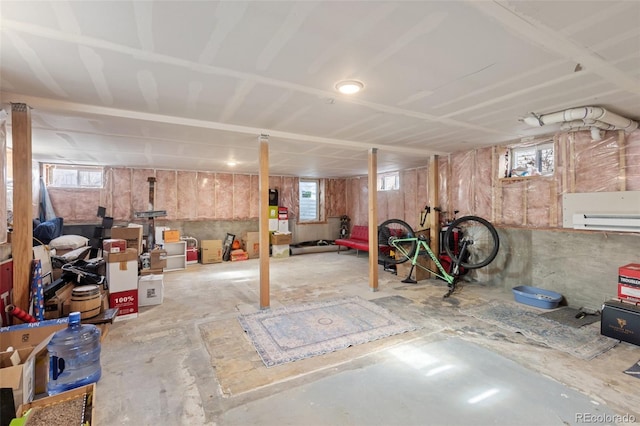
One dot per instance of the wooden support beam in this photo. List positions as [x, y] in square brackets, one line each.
[572, 164]
[622, 175]
[264, 221]
[22, 237]
[373, 219]
[434, 216]
[495, 181]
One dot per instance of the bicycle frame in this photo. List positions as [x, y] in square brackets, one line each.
[422, 244]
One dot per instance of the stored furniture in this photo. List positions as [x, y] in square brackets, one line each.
[358, 239]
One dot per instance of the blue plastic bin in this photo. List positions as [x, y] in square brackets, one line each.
[537, 297]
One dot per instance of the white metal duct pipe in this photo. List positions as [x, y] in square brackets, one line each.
[584, 114]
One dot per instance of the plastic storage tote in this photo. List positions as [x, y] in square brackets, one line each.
[537, 297]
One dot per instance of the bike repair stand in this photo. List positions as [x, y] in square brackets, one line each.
[151, 214]
[455, 270]
[410, 280]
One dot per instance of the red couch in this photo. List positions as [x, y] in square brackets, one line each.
[358, 240]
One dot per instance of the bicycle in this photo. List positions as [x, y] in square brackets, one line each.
[471, 242]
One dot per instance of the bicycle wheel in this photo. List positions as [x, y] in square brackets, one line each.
[389, 231]
[481, 237]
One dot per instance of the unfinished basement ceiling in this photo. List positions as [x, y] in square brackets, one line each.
[191, 85]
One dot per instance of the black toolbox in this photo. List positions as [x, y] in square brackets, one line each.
[621, 320]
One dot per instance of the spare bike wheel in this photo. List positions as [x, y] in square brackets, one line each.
[392, 230]
[481, 237]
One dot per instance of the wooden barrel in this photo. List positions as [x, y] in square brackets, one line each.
[86, 300]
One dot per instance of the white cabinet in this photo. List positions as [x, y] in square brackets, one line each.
[176, 256]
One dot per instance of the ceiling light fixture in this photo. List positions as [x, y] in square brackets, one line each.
[349, 87]
[231, 163]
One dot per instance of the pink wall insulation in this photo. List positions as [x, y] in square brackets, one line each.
[468, 181]
[185, 195]
[336, 204]
[632, 165]
[471, 182]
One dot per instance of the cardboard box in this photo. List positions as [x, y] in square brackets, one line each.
[211, 251]
[251, 244]
[89, 390]
[278, 239]
[29, 377]
[158, 258]
[43, 254]
[122, 275]
[620, 320]
[54, 307]
[273, 212]
[132, 234]
[283, 226]
[629, 274]
[628, 292]
[151, 271]
[280, 251]
[126, 302]
[6, 290]
[114, 245]
[283, 213]
[150, 290]
[128, 255]
[418, 274]
[629, 282]
[171, 236]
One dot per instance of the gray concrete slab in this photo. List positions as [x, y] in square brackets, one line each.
[157, 369]
[448, 382]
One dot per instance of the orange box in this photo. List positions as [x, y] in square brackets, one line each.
[171, 236]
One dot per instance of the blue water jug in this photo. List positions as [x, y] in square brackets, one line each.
[74, 356]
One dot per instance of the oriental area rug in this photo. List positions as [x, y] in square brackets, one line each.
[301, 331]
[584, 342]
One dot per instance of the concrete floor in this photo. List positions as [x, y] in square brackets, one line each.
[157, 369]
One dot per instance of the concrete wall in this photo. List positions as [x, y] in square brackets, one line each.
[218, 229]
[582, 266]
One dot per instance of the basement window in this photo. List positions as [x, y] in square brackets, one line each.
[389, 181]
[528, 160]
[309, 193]
[65, 176]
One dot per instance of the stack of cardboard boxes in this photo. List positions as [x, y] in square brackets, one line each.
[279, 229]
[122, 276]
[129, 290]
[620, 319]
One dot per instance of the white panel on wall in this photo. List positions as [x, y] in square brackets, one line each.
[621, 202]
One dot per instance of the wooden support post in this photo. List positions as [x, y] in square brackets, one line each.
[622, 176]
[553, 209]
[264, 221]
[572, 165]
[22, 238]
[525, 203]
[373, 219]
[434, 217]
